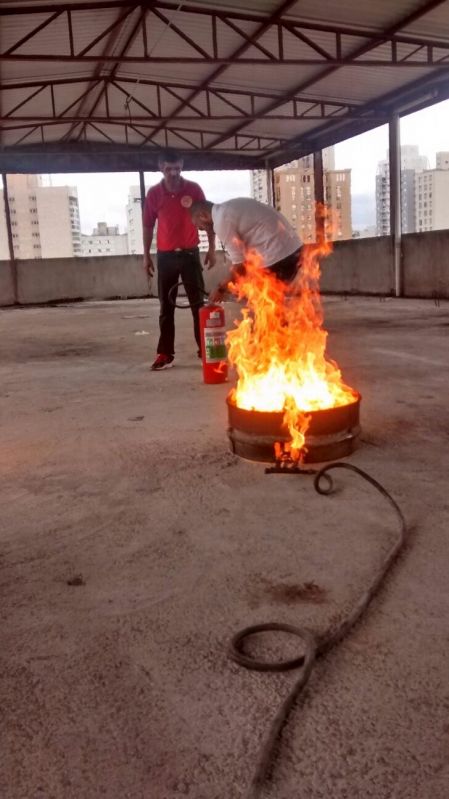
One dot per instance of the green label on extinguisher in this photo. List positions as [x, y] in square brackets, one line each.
[215, 341]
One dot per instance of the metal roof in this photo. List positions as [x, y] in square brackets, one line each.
[102, 84]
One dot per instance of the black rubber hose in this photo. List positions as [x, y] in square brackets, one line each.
[312, 645]
[176, 287]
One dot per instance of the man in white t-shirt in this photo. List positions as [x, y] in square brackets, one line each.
[243, 225]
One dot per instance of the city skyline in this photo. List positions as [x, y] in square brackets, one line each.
[427, 128]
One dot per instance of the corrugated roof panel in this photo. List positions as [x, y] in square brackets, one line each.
[54, 38]
[12, 71]
[355, 84]
[178, 73]
[365, 13]
[435, 24]
[126, 101]
[34, 104]
[284, 128]
[279, 78]
[33, 135]
[87, 26]
[362, 84]
[68, 94]
[255, 6]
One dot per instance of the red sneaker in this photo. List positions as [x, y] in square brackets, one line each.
[163, 362]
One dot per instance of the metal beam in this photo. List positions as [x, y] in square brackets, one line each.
[349, 61]
[153, 119]
[96, 157]
[220, 93]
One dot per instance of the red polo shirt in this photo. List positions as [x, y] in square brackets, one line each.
[175, 229]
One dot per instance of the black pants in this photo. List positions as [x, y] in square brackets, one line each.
[171, 266]
[287, 268]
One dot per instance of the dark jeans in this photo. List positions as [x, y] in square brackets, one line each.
[287, 268]
[171, 266]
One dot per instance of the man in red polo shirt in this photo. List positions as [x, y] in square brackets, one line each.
[169, 204]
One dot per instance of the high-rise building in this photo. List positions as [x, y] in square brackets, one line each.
[337, 195]
[4, 246]
[259, 177]
[411, 163]
[295, 196]
[134, 221]
[105, 240]
[442, 160]
[432, 196]
[45, 220]
[259, 185]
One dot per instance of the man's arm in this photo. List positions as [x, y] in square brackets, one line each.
[210, 258]
[217, 294]
[147, 239]
[149, 216]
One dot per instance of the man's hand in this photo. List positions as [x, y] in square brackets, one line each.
[210, 258]
[217, 294]
[148, 265]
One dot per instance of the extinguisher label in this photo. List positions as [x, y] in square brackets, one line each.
[215, 345]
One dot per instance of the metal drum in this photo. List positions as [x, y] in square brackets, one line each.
[331, 433]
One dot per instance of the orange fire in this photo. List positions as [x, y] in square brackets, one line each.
[279, 346]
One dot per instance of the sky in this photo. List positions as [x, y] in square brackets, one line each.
[102, 197]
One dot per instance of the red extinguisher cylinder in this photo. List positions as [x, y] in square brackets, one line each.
[213, 343]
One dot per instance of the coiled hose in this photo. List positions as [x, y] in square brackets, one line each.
[312, 645]
[172, 298]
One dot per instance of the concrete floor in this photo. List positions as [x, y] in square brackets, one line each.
[120, 687]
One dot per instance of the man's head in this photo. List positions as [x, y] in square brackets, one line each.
[170, 163]
[201, 213]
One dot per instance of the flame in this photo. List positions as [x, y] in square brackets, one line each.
[279, 346]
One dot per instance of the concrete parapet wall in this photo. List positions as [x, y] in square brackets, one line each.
[53, 279]
[56, 279]
[6, 283]
[361, 266]
[426, 264]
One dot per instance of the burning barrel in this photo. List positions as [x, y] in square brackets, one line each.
[331, 432]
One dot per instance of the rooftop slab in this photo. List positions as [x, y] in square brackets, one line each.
[120, 686]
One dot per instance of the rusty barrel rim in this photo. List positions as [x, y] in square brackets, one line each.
[331, 434]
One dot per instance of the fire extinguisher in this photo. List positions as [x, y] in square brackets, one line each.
[213, 343]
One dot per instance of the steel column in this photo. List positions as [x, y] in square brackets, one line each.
[142, 188]
[12, 258]
[270, 184]
[394, 136]
[318, 179]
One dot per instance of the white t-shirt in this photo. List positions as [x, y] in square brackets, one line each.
[245, 224]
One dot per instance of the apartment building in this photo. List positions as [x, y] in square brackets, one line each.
[337, 196]
[295, 196]
[432, 196]
[411, 164]
[259, 185]
[45, 220]
[105, 240]
[134, 221]
[259, 177]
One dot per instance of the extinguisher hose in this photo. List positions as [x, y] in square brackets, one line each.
[313, 645]
[172, 294]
